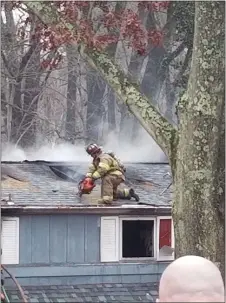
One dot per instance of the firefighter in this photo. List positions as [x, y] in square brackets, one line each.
[108, 168]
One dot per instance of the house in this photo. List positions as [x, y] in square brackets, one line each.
[51, 237]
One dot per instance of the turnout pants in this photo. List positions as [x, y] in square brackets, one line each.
[112, 188]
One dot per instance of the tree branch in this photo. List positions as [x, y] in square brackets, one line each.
[148, 116]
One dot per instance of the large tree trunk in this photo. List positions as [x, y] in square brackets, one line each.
[199, 177]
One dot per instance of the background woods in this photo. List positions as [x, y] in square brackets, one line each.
[50, 93]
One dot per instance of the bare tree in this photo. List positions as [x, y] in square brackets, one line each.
[22, 87]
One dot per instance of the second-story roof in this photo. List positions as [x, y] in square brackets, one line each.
[53, 185]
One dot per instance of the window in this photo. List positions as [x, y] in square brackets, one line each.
[10, 240]
[127, 238]
[165, 239]
[137, 238]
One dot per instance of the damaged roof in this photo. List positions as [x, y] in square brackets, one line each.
[41, 184]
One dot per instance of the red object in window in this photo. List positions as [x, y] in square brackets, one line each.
[165, 232]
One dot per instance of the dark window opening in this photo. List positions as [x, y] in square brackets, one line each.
[137, 239]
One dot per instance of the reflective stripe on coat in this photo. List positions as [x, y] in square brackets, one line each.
[102, 165]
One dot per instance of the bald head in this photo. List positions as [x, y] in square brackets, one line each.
[191, 279]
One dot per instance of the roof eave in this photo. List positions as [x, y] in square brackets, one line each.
[89, 210]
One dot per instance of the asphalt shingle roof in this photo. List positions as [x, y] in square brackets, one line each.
[118, 293]
[43, 187]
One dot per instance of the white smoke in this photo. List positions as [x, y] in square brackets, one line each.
[142, 150]
[12, 153]
[60, 152]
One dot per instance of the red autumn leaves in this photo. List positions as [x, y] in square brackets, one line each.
[76, 23]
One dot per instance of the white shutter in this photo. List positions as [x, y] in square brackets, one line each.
[10, 240]
[109, 239]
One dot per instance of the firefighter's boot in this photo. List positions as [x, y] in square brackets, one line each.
[132, 194]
